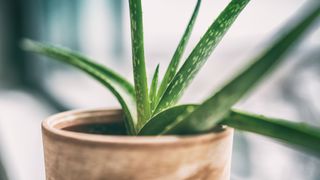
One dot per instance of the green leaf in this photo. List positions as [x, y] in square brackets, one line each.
[153, 88]
[299, 135]
[121, 88]
[213, 110]
[165, 119]
[174, 63]
[200, 54]
[139, 67]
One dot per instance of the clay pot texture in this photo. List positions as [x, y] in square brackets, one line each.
[82, 156]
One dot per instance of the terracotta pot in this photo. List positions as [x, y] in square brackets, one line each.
[82, 156]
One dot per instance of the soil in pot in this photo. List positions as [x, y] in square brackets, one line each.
[115, 128]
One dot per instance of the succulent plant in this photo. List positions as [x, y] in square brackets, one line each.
[154, 111]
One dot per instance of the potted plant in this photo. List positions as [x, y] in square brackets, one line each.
[152, 137]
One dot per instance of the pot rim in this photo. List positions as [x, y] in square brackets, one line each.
[49, 128]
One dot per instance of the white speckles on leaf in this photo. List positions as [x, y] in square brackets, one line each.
[200, 54]
[139, 69]
[173, 66]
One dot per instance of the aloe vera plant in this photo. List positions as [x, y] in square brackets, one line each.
[153, 110]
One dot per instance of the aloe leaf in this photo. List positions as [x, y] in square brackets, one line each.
[299, 135]
[200, 54]
[139, 67]
[153, 88]
[121, 88]
[212, 110]
[163, 120]
[174, 63]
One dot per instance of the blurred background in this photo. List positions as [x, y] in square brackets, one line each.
[32, 88]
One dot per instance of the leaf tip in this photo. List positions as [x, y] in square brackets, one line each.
[28, 45]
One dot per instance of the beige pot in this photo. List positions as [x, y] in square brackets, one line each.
[82, 156]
